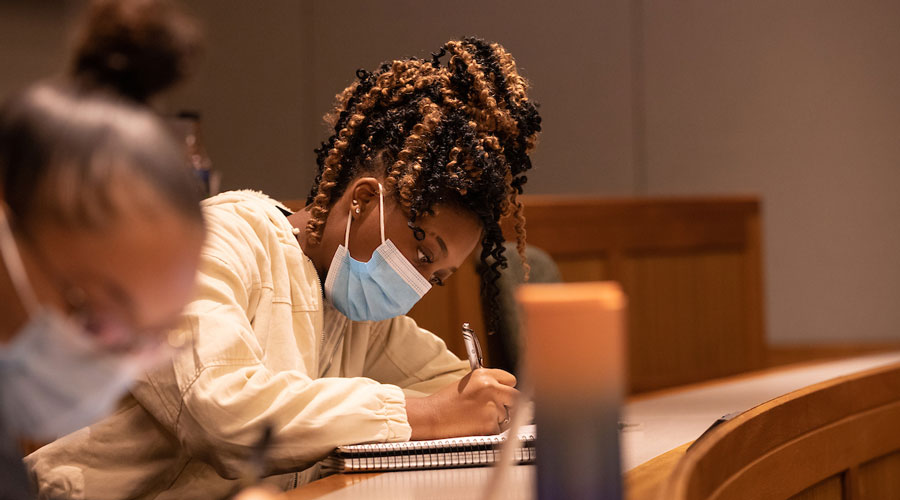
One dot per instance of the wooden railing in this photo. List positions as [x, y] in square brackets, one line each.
[837, 440]
[691, 268]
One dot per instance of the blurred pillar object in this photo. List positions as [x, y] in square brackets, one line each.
[575, 360]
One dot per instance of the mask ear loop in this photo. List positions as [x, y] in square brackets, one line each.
[14, 264]
[347, 232]
[380, 218]
[381, 210]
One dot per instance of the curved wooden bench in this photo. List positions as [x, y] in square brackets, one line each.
[838, 439]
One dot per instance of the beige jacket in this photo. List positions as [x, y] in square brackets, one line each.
[263, 348]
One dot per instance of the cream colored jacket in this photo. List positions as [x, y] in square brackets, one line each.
[263, 348]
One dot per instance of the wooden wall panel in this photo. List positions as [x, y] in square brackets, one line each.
[591, 268]
[829, 489]
[687, 325]
[691, 267]
[879, 478]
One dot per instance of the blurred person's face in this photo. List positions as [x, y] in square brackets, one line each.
[94, 309]
[125, 284]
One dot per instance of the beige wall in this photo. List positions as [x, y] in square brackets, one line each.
[798, 102]
[253, 93]
[274, 68]
[31, 36]
[577, 59]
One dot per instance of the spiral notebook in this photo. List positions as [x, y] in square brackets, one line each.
[470, 451]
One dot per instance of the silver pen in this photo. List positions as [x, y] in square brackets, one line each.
[473, 347]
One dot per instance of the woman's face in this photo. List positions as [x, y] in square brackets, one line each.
[126, 283]
[450, 235]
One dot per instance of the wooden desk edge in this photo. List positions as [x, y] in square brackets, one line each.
[644, 481]
[749, 375]
[641, 483]
[326, 485]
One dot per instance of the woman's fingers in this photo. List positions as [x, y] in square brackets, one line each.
[501, 376]
[506, 396]
[478, 404]
[503, 406]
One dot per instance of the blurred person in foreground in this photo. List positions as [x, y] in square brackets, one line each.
[100, 227]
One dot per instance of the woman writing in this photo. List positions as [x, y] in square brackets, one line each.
[299, 325]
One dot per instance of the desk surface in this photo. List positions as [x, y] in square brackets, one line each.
[658, 422]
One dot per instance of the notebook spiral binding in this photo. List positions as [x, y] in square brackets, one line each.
[439, 454]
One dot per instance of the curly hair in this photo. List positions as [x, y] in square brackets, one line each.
[439, 132]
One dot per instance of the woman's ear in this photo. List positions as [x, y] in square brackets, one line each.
[364, 196]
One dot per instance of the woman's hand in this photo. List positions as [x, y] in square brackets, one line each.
[478, 404]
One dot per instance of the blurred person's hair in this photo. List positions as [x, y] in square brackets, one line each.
[67, 145]
[455, 132]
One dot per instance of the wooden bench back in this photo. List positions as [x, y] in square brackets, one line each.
[691, 268]
[839, 439]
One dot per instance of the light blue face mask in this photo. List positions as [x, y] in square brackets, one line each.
[386, 286]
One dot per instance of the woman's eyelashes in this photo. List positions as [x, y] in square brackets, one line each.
[424, 256]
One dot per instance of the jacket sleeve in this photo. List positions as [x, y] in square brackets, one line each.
[410, 357]
[218, 395]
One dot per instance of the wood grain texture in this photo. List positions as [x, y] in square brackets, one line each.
[324, 486]
[802, 443]
[879, 478]
[829, 489]
[691, 324]
[644, 481]
[691, 268]
[785, 354]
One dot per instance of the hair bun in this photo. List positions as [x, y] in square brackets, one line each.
[137, 47]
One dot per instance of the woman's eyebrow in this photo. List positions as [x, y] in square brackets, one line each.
[441, 244]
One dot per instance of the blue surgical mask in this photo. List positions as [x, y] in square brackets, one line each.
[386, 286]
[55, 378]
